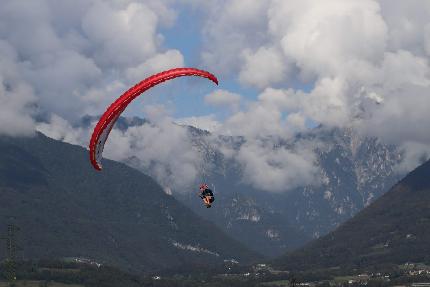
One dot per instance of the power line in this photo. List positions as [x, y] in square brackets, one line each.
[11, 248]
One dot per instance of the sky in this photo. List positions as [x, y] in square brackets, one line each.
[284, 66]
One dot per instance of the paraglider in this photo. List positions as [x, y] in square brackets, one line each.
[206, 194]
[108, 119]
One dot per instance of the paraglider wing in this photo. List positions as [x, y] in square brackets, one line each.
[108, 119]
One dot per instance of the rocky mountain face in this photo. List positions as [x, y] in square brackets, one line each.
[394, 229]
[118, 217]
[354, 171]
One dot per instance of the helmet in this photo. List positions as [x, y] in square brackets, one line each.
[204, 186]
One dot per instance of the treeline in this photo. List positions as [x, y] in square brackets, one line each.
[89, 275]
[73, 273]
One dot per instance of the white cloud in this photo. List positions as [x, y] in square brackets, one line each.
[402, 68]
[325, 38]
[158, 63]
[122, 36]
[414, 154]
[360, 63]
[327, 103]
[264, 67]
[402, 117]
[340, 63]
[342, 47]
[407, 22]
[16, 96]
[156, 112]
[73, 58]
[77, 57]
[220, 98]
[208, 123]
[277, 169]
[62, 80]
[297, 120]
[257, 121]
[164, 151]
[15, 109]
[60, 129]
[427, 39]
[230, 27]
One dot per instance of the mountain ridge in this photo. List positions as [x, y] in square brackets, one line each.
[355, 171]
[394, 229]
[119, 216]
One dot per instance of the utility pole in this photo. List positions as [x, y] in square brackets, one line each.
[11, 248]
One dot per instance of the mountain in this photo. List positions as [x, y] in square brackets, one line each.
[119, 216]
[355, 171]
[122, 123]
[392, 230]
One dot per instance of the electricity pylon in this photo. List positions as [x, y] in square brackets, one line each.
[11, 248]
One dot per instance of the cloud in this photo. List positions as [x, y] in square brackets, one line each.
[402, 117]
[427, 39]
[164, 151]
[223, 98]
[361, 64]
[229, 28]
[336, 46]
[263, 68]
[17, 100]
[123, 36]
[60, 129]
[77, 57]
[341, 47]
[256, 121]
[159, 62]
[414, 154]
[74, 58]
[277, 169]
[297, 120]
[325, 39]
[156, 112]
[208, 123]
[408, 23]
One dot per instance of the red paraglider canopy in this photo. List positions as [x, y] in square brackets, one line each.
[108, 119]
